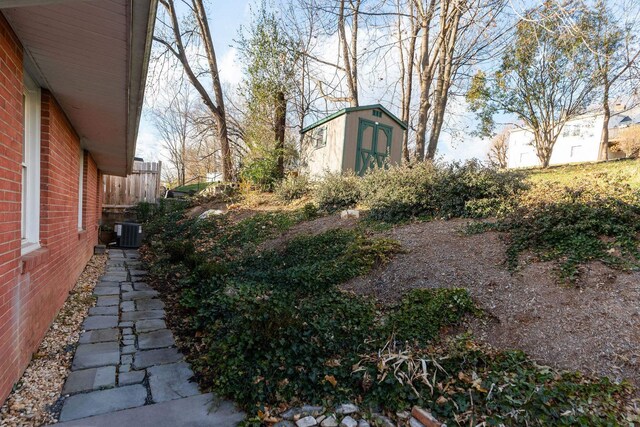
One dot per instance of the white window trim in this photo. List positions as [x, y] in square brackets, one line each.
[80, 190]
[30, 213]
[320, 137]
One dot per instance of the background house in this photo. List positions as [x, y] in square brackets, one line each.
[578, 142]
[354, 139]
[72, 78]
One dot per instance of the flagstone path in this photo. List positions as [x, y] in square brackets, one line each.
[126, 365]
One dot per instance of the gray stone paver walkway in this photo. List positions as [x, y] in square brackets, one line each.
[126, 357]
[195, 411]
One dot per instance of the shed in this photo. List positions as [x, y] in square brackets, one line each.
[354, 139]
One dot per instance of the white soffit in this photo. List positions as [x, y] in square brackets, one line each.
[92, 55]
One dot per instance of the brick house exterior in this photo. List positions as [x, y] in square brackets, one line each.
[35, 280]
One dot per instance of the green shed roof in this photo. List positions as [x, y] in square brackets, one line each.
[338, 113]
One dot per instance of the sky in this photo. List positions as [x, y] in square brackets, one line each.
[226, 18]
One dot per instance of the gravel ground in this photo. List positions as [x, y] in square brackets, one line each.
[33, 400]
[594, 327]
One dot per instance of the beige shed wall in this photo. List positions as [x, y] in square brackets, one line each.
[351, 137]
[329, 157]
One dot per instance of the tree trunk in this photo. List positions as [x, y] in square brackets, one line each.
[544, 146]
[408, 84]
[445, 64]
[403, 76]
[203, 22]
[347, 56]
[183, 162]
[427, 68]
[603, 153]
[424, 105]
[545, 161]
[280, 126]
[216, 108]
[438, 115]
[225, 150]
[355, 11]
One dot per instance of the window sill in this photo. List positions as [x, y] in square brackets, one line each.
[33, 259]
[28, 247]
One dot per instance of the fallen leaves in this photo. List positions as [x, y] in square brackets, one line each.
[331, 379]
[333, 363]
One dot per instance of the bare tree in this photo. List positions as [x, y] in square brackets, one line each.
[437, 40]
[305, 97]
[454, 35]
[340, 19]
[184, 45]
[498, 150]
[172, 118]
[350, 50]
[407, 54]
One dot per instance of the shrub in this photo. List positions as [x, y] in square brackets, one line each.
[261, 169]
[439, 190]
[337, 191]
[293, 187]
[166, 222]
[145, 211]
[400, 192]
[473, 190]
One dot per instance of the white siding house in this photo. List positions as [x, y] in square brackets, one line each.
[579, 141]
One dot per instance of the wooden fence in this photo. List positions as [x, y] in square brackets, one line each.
[142, 185]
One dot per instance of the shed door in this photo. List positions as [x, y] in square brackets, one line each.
[374, 145]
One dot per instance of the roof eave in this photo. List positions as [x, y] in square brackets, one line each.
[338, 113]
[140, 48]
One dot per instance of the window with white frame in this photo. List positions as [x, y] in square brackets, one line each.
[320, 137]
[80, 189]
[30, 208]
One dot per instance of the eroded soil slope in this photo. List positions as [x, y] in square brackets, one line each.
[594, 327]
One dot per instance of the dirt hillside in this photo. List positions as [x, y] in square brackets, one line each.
[594, 327]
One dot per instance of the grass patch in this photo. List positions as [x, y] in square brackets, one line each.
[198, 186]
[619, 171]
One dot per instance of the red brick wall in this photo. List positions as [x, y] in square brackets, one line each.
[10, 182]
[34, 287]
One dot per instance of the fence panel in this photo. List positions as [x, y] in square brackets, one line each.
[142, 185]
